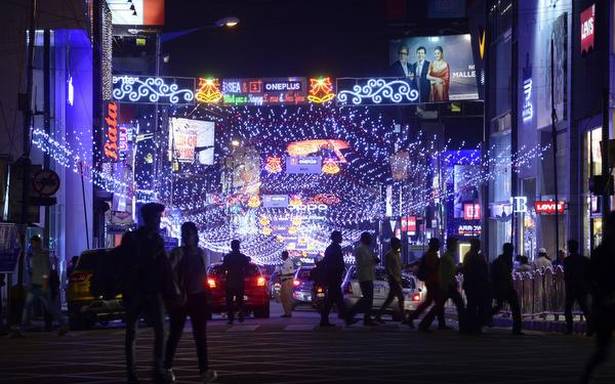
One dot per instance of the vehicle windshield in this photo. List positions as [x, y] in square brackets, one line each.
[303, 273]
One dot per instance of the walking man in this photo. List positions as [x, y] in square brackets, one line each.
[365, 262]
[603, 290]
[39, 268]
[576, 279]
[393, 268]
[476, 286]
[147, 275]
[188, 265]
[448, 286]
[235, 266]
[286, 277]
[332, 272]
[501, 272]
[428, 272]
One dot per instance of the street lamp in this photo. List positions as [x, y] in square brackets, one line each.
[228, 22]
[235, 143]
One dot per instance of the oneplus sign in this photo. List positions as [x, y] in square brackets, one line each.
[548, 207]
[587, 28]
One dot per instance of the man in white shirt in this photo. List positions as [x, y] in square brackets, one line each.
[365, 262]
[286, 277]
[542, 261]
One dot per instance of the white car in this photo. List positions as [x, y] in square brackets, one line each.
[411, 287]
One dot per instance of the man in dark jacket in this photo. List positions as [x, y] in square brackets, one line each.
[603, 291]
[576, 279]
[146, 270]
[504, 291]
[476, 286]
[235, 265]
[333, 268]
[428, 272]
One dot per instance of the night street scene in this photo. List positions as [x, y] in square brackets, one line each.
[307, 192]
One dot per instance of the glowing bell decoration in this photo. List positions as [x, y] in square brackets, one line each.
[330, 167]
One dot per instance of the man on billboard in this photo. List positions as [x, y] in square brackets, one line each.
[420, 70]
[401, 68]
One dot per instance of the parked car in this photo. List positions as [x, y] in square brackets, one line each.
[411, 288]
[302, 286]
[275, 284]
[256, 295]
[87, 302]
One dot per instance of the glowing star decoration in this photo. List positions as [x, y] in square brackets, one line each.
[264, 221]
[266, 231]
[254, 201]
[330, 167]
[296, 221]
[292, 230]
[295, 201]
[280, 238]
[209, 91]
[273, 164]
[321, 90]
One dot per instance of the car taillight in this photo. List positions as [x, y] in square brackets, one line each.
[416, 297]
[260, 282]
[78, 277]
[211, 283]
[319, 290]
[296, 283]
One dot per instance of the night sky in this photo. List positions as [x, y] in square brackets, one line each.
[278, 38]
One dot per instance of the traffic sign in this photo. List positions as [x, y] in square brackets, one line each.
[46, 182]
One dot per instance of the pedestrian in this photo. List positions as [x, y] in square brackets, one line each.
[602, 265]
[504, 291]
[524, 264]
[393, 269]
[428, 272]
[71, 267]
[147, 274]
[476, 287]
[542, 261]
[576, 280]
[448, 287]
[365, 262]
[287, 273]
[40, 288]
[561, 256]
[330, 273]
[235, 265]
[189, 271]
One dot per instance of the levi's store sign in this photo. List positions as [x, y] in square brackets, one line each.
[548, 207]
[111, 147]
[588, 17]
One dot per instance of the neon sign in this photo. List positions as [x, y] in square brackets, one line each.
[587, 28]
[274, 91]
[361, 91]
[330, 167]
[208, 91]
[110, 148]
[549, 207]
[321, 90]
[527, 112]
[134, 89]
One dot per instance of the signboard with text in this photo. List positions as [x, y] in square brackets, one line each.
[588, 17]
[274, 91]
[549, 207]
[303, 164]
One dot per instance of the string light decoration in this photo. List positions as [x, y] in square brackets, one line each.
[208, 91]
[375, 91]
[321, 90]
[135, 89]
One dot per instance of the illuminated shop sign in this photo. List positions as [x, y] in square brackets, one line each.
[549, 207]
[471, 211]
[309, 208]
[290, 91]
[111, 146]
[409, 224]
[519, 204]
[162, 90]
[383, 91]
[468, 230]
[588, 17]
[527, 111]
[303, 164]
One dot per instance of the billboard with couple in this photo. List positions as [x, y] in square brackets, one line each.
[440, 68]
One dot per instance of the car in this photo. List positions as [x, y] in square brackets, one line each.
[413, 294]
[303, 286]
[256, 295]
[87, 302]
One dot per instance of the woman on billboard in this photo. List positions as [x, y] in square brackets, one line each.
[439, 75]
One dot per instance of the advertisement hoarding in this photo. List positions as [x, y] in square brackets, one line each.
[440, 68]
[191, 140]
[303, 164]
[587, 28]
[138, 12]
[275, 201]
[265, 91]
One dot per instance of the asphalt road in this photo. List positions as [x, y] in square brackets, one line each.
[296, 351]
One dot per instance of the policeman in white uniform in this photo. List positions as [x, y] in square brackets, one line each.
[286, 276]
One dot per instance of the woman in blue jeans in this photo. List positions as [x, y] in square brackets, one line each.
[188, 263]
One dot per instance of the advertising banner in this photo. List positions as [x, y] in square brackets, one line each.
[303, 164]
[440, 68]
[274, 91]
[138, 12]
[191, 140]
[275, 201]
